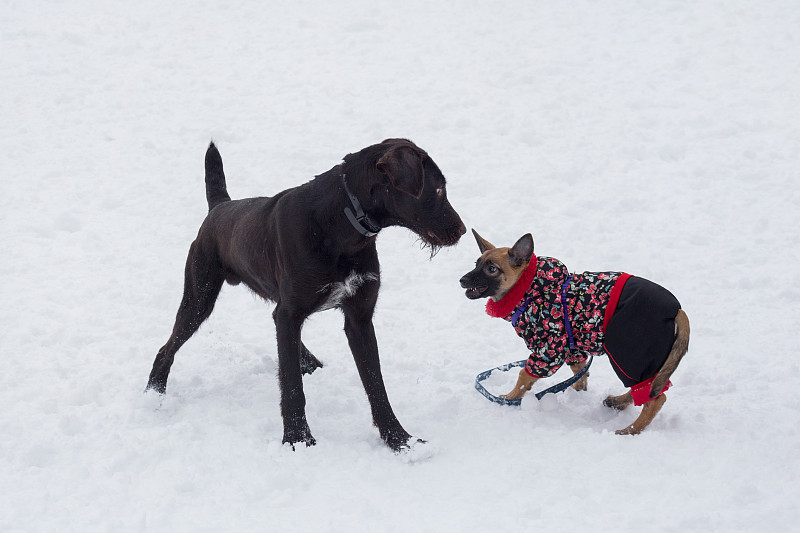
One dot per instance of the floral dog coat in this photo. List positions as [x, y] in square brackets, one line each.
[628, 318]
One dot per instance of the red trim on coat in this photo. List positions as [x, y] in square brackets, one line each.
[614, 298]
[506, 305]
[615, 362]
[641, 391]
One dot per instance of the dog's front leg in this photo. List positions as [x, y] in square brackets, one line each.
[583, 383]
[361, 337]
[524, 383]
[293, 400]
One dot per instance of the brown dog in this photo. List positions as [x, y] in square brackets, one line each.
[637, 323]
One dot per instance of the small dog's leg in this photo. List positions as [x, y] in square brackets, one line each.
[649, 412]
[524, 383]
[583, 383]
[308, 363]
[619, 402]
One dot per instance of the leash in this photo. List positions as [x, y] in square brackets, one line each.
[505, 368]
[519, 310]
[564, 385]
[564, 287]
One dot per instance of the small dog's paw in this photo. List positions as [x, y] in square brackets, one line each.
[617, 402]
[627, 431]
[515, 394]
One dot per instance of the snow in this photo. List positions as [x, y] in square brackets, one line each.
[662, 139]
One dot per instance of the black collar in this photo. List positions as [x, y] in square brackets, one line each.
[361, 221]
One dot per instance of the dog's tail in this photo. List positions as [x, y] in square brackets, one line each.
[679, 348]
[216, 190]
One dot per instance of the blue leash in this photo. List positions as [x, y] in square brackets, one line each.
[505, 368]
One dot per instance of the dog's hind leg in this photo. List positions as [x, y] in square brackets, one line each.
[649, 412]
[308, 362]
[619, 402]
[679, 349]
[202, 283]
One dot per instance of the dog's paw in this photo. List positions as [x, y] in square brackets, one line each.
[397, 440]
[156, 386]
[153, 400]
[618, 402]
[630, 430]
[415, 451]
[298, 436]
[309, 363]
[515, 394]
[308, 367]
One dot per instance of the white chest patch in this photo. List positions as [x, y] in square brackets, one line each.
[344, 289]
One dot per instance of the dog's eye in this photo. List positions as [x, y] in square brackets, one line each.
[491, 269]
[440, 192]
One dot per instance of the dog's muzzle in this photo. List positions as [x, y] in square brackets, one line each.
[472, 292]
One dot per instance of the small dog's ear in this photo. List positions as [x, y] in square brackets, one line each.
[483, 244]
[522, 250]
[402, 164]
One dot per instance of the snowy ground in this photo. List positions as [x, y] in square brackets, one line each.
[660, 138]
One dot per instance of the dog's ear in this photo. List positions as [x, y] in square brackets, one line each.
[522, 250]
[483, 244]
[402, 164]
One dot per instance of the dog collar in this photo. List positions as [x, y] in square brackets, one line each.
[505, 306]
[360, 219]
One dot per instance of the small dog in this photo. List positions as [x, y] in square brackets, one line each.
[312, 248]
[639, 324]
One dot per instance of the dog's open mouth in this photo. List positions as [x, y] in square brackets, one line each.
[475, 292]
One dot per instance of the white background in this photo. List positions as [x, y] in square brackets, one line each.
[659, 138]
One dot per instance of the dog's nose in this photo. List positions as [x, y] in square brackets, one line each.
[464, 282]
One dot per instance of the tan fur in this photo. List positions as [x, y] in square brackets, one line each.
[583, 383]
[483, 244]
[679, 349]
[620, 402]
[509, 274]
[649, 412]
[524, 383]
